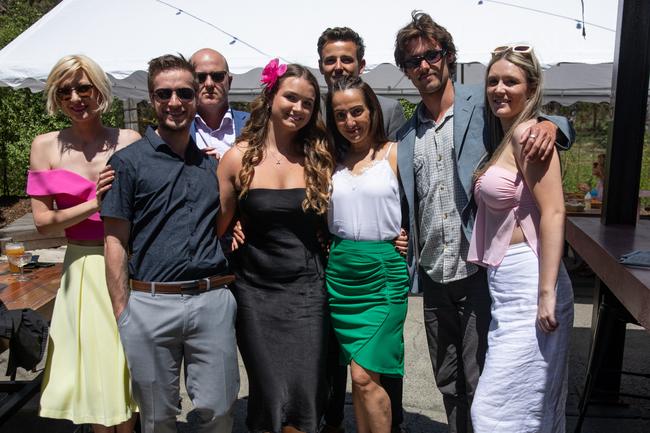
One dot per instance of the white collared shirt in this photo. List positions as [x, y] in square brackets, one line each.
[221, 138]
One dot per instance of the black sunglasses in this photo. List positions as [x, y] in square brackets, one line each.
[217, 76]
[431, 56]
[185, 94]
[83, 91]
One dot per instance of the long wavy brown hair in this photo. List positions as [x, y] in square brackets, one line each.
[312, 142]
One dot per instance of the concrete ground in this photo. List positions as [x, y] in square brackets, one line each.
[422, 401]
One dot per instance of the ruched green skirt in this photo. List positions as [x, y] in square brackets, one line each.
[367, 285]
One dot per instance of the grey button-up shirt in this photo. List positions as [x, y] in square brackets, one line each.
[440, 200]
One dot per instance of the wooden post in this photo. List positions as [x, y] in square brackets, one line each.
[630, 100]
[623, 165]
[131, 114]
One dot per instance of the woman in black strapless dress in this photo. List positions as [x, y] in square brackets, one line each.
[276, 178]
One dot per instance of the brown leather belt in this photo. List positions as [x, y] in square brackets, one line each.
[178, 287]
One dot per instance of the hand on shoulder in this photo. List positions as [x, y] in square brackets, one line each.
[520, 132]
[230, 162]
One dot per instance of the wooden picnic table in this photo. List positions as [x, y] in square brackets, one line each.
[601, 245]
[621, 295]
[38, 293]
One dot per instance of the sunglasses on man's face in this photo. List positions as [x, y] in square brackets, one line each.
[523, 49]
[432, 57]
[83, 91]
[185, 94]
[217, 76]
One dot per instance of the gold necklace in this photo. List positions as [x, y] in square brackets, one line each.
[275, 156]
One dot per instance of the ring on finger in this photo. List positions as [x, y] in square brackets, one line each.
[533, 136]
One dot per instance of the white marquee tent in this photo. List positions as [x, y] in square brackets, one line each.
[122, 35]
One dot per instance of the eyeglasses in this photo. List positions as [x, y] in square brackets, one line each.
[431, 56]
[83, 91]
[523, 49]
[217, 76]
[185, 94]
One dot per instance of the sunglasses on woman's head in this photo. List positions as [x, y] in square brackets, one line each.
[520, 48]
[431, 56]
[83, 91]
[217, 76]
[185, 94]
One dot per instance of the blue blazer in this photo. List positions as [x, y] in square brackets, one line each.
[240, 118]
[471, 144]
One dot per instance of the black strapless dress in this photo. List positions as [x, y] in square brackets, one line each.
[281, 311]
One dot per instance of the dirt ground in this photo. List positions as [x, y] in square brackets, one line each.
[12, 208]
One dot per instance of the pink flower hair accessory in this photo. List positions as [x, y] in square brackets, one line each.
[271, 72]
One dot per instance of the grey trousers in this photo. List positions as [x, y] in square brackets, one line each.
[457, 319]
[159, 333]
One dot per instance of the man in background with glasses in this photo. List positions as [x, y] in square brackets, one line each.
[440, 148]
[340, 54]
[166, 273]
[216, 124]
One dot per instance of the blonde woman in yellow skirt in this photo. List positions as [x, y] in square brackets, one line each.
[86, 376]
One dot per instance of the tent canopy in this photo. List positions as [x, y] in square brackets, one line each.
[122, 35]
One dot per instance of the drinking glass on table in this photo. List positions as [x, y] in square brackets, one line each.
[20, 261]
[14, 249]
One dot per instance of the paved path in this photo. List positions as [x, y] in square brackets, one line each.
[422, 401]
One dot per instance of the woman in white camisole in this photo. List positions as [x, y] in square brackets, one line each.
[367, 280]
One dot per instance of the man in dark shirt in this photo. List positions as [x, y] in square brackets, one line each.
[165, 269]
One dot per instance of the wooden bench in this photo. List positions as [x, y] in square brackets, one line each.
[622, 295]
[38, 294]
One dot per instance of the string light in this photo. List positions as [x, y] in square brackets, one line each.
[580, 24]
[234, 38]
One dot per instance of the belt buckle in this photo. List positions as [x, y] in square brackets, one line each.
[194, 285]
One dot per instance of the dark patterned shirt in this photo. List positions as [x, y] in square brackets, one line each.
[172, 204]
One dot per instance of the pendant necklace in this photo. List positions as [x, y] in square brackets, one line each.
[275, 156]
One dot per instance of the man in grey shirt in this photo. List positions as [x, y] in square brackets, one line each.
[440, 149]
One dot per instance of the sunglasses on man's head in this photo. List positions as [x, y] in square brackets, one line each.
[523, 49]
[83, 91]
[431, 56]
[217, 76]
[185, 94]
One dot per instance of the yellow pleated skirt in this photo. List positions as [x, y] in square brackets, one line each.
[86, 376]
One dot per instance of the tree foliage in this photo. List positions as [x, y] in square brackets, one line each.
[22, 113]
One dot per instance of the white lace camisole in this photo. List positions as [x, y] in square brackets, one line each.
[366, 206]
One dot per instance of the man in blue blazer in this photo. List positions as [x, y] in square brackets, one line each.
[216, 124]
[439, 150]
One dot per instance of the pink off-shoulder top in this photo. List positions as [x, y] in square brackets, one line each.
[69, 189]
[503, 200]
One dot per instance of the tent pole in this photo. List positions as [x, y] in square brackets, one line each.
[131, 114]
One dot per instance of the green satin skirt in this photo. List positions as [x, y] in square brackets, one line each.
[367, 285]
